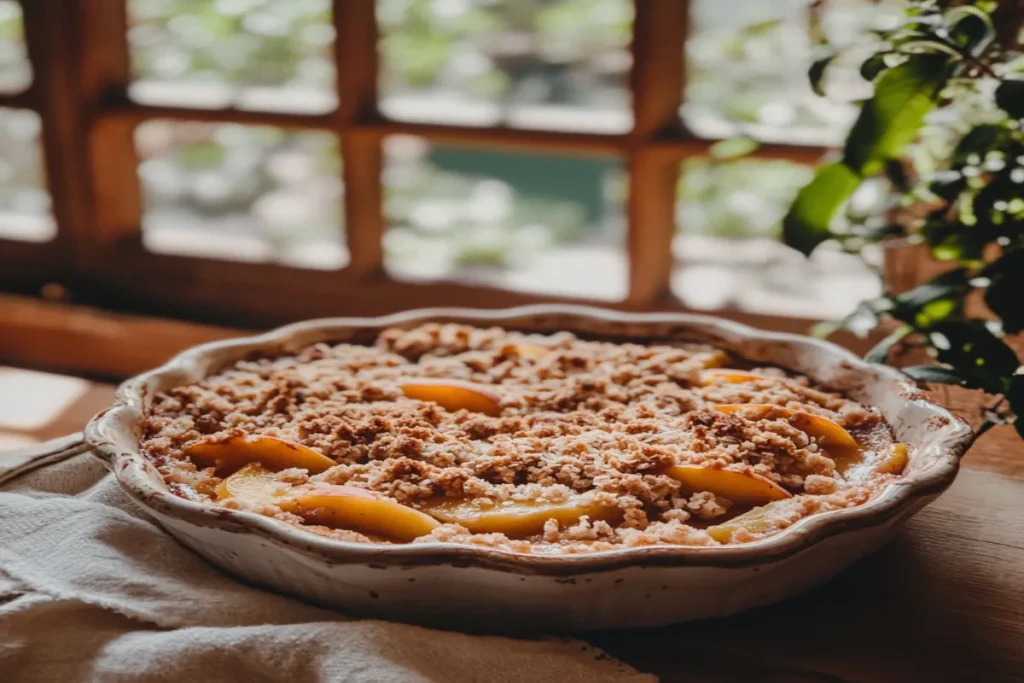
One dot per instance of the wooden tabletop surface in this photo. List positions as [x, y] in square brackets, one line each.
[943, 602]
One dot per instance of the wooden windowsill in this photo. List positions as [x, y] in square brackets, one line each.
[96, 343]
[85, 341]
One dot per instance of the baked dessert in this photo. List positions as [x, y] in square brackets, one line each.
[522, 442]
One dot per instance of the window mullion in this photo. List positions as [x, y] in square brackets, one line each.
[49, 27]
[104, 74]
[659, 35]
[356, 61]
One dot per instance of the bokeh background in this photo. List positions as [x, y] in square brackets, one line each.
[523, 221]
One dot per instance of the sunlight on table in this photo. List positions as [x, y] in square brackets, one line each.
[30, 400]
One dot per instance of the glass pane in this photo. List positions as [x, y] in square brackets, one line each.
[25, 212]
[561, 64]
[15, 69]
[253, 54]
[528, 222]
[728, 251]
[242, 193]
[747, 64]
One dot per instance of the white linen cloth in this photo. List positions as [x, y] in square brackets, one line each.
[91, 590]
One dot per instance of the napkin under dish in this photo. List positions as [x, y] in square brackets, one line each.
[91, 590]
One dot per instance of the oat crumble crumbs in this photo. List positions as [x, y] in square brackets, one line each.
[577, 420]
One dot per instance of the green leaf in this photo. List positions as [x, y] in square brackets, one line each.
[948, 185]
[880, 352]
[892, 117]
[971, 345]
[933, 301]
[1010, 98]
[816, 73]
[954, 240]
[1015, 396]
[970, 28]
[872, 66]
[956, 279]
[964, 247]
[928, 46]
[990, 204]
[978, 141]
[878, 233]
[940, 309]
[1005, 295]
[965, 377]
[806, 225]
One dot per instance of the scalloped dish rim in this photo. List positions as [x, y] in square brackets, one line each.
[113, 435]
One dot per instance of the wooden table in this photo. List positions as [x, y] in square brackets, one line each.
[943, 602]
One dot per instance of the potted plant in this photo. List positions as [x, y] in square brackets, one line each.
[943, 129]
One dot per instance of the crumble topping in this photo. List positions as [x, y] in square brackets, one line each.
[576, 420]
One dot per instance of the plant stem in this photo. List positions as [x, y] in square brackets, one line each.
[974, 61]
[985, 425]
[988, 423]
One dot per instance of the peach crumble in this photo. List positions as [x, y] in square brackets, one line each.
[523, 442]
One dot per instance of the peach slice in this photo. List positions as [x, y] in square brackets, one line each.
[837, 442]
[453, 395]
[756, 521]
[745, 488]
[253, 482]
[514, 518]
[273, 453]
[713, 359]
[895, 462]
[350, 507]
[727, 376]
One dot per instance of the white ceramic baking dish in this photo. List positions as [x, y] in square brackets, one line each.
[481, 588]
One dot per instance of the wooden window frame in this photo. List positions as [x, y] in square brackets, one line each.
[81, 71]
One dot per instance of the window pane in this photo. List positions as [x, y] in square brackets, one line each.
[15, 69]
[254, 54]
[25, 212]
[528, 222]
[560, 64]
[747, 64]
[728, 251]
[242, 193]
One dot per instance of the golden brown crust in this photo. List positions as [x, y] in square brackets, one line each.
[576, 416]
